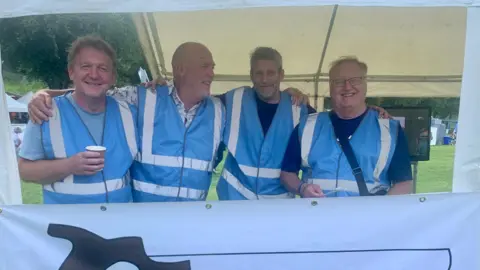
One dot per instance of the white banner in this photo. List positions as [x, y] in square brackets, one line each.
[430, 232]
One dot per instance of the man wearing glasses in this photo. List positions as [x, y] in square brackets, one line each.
[349, 151]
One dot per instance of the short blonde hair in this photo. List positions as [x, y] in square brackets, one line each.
[347, 59]
[94, 42]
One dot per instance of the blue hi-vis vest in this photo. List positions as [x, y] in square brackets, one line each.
[253, 165]
[176, 162]
[65, 135]
[325, 164]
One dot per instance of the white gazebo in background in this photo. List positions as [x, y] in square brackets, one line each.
[15, 106]
[25, 99]
[426, 48]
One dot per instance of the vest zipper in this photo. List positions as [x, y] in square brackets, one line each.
[183, 163]
[258, 170]
[183, 152]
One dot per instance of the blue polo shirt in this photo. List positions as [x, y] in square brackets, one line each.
[399, 170]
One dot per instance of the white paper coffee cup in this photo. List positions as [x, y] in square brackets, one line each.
[97, 148]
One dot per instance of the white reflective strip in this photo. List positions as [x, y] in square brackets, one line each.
[128, 127]
[217, 126]
[68, 187]
[296, 110]
[148, 117]
[235, 183]
[343, 185]
[385, 145]
[177, 162]
[167, 191]
[262, 172]
[160, 160]
[307, 138]
[235, 120]
[56, 133]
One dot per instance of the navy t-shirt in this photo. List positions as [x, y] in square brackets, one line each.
[266, 112]
[399, 170]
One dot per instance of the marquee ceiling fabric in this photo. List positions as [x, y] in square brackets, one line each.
[39, 7]
[414, 52]
[413, 48]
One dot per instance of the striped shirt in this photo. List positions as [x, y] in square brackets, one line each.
[129, 95]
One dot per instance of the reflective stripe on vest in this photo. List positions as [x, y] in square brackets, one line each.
[169, 191]
[385, 145]
[68, 186]
[260, 172]
[338, 185]
[235, 131]
[235, 183]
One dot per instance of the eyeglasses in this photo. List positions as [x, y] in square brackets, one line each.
[342, 82]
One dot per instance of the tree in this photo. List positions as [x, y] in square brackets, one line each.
[37, 46]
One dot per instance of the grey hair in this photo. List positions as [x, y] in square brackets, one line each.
[266, 53]
[347, 59]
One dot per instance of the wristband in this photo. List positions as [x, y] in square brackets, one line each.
[299, 190]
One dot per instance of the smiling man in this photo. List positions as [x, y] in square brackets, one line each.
[260, 120]
[349, 151]
[181, 126]
[54, 153]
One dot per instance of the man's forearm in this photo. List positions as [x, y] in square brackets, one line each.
[404, 187]
[290, 181]
[44, 171]
[56, 93]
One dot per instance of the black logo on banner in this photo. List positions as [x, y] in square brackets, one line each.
[92, 252]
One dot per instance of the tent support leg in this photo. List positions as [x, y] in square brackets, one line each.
[10, 187]
[415, 176]
[466, 176]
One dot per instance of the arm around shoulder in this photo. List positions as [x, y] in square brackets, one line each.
[44, 171]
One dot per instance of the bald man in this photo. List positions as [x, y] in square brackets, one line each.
[180, 128]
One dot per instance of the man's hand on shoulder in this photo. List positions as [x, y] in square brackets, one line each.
[152, 85]
[381, 112]
[40, 107]
[298, 97]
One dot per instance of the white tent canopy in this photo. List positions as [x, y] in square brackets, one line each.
[15, 106]
[406, 49]
[416, 49]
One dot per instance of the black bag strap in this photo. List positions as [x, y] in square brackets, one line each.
[352, 160]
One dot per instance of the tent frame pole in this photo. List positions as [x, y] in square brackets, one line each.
[324, 52]
[154, 40]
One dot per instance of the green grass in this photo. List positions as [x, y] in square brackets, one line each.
[433, 176]
[15, 83]
[436, 175]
